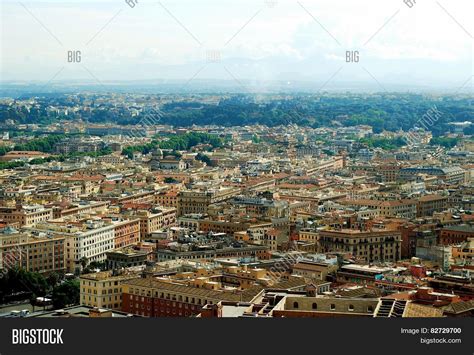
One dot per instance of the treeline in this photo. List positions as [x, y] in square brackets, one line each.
[60, 158]
[394, 143]
[43, 144]
[19, 284]
[391, 111]
[384, 143]
[204, 158]
[446, 142]
[177, 142]
[189, 140]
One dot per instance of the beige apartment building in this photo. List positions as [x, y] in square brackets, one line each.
[103, 289]
[313, 270]
[308, 235]
[89, 240]
[82, 208]
[197, 201]
[388, 172]
[429, 204]
[405, 208]
[40, 252]
[369, 246]
[152, 221]
[25, 215]
[167, 198]
[333, 163]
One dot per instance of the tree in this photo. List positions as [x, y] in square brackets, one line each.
[83, 261]
[204, 158]
[445, 142]
[68, 293]
[52, 279]
[33, 301]
[17, 280]
[170, 180]
[98, 265]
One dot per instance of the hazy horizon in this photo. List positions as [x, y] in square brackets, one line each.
[248, 44]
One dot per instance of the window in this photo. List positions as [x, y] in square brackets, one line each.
[315, 305]
[370, 309]
[351, 308]
[295, 305]
[333, 307]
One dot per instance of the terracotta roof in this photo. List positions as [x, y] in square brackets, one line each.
[359, 292]
[221, 295]
[294, 282]
[460, 307]
[431, 198]
[414, 310]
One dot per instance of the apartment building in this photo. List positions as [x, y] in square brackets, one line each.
[370, 246]
[261, 207]
[83, 207]
[126, 232]
[308, 235]
[463, 199]
[85, 241]
[449, 175]
[39, 252]
[137, 255]
[334, 163]
[167, 198]
[464, 253]
[429, 204]
[259, 251]
[455, 234]
[134, 197]
[80, 144]
[313, 270]
[228, 227]
[388, 172]
[404, 208]
[190, 221]
[104, 289]
[154, 219]
[197, 201]
[270, 239]
[26, 215]
[152, 297]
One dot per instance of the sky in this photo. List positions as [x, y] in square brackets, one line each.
[425, 43]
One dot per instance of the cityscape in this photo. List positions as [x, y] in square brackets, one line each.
[299, 219]
[285, 170]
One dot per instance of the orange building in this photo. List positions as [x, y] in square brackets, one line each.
[455, 234]
[126, 232]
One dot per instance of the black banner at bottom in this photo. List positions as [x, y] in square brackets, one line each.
[152, 335]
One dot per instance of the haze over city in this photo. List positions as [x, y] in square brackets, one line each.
[261, 45]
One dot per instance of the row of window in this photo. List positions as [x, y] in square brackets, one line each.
[89, 283]
[94, 298]
[332, 307]
[170, 297]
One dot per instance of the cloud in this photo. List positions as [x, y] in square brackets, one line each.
[261, 41]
